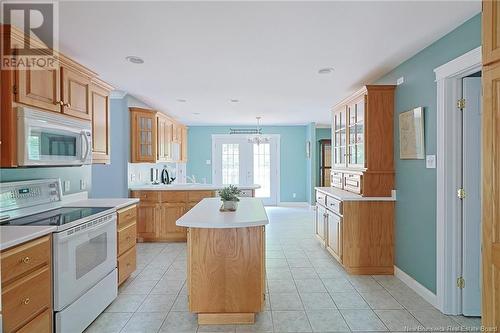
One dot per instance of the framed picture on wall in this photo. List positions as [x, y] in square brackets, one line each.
[411, 134]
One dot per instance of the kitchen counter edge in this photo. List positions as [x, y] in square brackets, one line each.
[348, 196]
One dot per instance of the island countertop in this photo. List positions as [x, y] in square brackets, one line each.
[186, 187]
[206, 214]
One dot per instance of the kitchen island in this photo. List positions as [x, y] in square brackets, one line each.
[226, 261]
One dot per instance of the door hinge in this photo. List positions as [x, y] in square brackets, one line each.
[460, 283]
[461, 104]
[14, 90]
[461, 193]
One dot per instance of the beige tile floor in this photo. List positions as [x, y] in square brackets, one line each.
[307, 291]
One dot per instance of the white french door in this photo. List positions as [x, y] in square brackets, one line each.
[237, 161]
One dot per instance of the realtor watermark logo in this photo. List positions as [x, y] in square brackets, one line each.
[33, 37]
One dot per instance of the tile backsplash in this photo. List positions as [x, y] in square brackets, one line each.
[140, 173]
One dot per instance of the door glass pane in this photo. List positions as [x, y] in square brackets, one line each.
[360, 154]
[352, 134]
[342, 137]
[90, 254]
[230, 163]
[262, 169]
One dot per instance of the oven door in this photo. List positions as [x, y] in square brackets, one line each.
[52, 140]
[83, 255]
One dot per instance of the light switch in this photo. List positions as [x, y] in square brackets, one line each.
[430, 161]
[208, 162]
[67, 185]
[83, 184]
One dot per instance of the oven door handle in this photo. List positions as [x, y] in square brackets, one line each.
[87, 145]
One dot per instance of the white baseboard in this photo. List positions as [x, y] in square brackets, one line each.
[293, 204]
[425, 293]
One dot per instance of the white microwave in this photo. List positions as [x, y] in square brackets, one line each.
[45, 138]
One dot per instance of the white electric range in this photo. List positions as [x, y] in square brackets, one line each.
[84, 248]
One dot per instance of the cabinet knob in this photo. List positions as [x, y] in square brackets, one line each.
[26, 260]
[26, 301]
[67, 105]
[59, 103]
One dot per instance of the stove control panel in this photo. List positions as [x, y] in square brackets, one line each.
[30, 193]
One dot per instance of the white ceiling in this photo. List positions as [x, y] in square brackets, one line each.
[265, 54]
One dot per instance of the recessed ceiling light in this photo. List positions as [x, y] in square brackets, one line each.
[326, 70]
[134, 60]
[196, 113]
[234, 100]
[181, 100]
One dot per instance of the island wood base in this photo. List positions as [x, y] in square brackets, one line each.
[226, 318]
[226, 274]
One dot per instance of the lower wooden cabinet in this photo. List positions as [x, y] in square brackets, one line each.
[159, 210]
[126, 239]
[27, 287]
[359, 234]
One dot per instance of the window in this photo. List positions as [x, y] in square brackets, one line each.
[230, 163]
[262, 169]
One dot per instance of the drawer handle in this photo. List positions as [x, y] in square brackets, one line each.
[128, 264]
[26, 301]
[26, 260]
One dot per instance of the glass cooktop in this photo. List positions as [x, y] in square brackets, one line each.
[56, 217]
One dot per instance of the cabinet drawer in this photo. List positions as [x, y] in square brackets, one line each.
[147, 195]
[40, 324]
[197, 196]
[126, 215]
[26, 297]
[127, 238]
[173, 196]
[334, 205]
[126, 265]
[338, 179]
[352, 182]
[321, 198]
[25, 257]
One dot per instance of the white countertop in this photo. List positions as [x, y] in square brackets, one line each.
[12, 235]
[349, 196]
[118, 203]
[186, 187]
[206, 214]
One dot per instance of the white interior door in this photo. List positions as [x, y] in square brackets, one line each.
[237, 161]
[471, 204]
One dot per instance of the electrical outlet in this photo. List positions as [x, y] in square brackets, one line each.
[67, 185]
[430, 161]
[83, 184]
[294, 195]
[208, 162]
[132, 177]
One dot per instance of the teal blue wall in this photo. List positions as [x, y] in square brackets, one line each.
[416, 185]
[321, 133]
[73, 174]
[292, 156]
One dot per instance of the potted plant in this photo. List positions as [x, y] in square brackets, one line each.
[229, 197]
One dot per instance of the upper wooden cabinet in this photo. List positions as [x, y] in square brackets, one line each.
[143, 125]
[491, 32]
[362, 141]
[39, 88]
[75, 92]
[100, 113]
[153, 136]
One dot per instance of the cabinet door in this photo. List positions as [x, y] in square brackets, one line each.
[334, 239]
[166, 229]
[75, 93]
[491, 31]
[39, 88]
[100, 125]
[320, 222]
[144, 137]
[339, 140]
[356, 134]
[147, 217]
[161, 139]
[184, 144]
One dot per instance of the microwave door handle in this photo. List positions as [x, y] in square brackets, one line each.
[87, 146]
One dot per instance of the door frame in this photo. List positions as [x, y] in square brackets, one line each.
[276, 137]
[448, 209]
